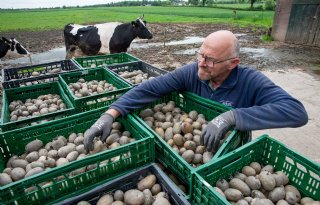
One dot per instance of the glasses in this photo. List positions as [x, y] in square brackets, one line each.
[208, 60]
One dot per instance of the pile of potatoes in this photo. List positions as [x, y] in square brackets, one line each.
[135, 77]
[39, 157]
[147, 192]
[34, 107]
[84, 88]
[257, 185]
[180, 130]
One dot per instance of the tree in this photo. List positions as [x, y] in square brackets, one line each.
[252, 2]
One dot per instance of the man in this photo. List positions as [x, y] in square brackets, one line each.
[258, 102]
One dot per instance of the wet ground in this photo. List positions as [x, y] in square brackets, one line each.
[295, 67]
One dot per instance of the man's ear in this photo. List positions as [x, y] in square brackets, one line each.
[133, 23]
[234, 62]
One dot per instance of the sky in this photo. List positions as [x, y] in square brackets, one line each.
[18, 4]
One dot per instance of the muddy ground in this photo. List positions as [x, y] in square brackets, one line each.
[294, 67]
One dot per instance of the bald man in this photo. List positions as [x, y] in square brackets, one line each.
[258, 103]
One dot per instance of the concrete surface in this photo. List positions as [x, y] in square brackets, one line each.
[306, 88]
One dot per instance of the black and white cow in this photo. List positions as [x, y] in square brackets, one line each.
[104, 38]
[11, 47]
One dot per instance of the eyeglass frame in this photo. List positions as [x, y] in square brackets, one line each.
[206, 58]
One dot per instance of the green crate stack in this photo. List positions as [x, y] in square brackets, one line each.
[129, 181]
[46, 72]
[188, 101]
[104, 60]
[135, 66]
[59, 180]
[95, 101]
[302, 173]
[32, 91]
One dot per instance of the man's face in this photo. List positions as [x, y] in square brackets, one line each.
[212, 66]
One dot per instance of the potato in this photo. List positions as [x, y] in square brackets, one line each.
[134, 197]
[267, 180]
[37, 164]
[292, 197]
[118, 195]
[43, 152]
[178, 139]
[32, 156]
[268, 168]
[34, 145]
[65, 150]
[146, 113]
[233, 194]
[207, 156]
[188, 156]
[282, 202]
[176, 129]
[19, 163]
[279, 179]
[53, 154]
[34, 171]
[148, 197]
[277, 194]
[219, 191]
[72, 156]
[117, 203]
[105, 200]
[58, 143]
[222, 184]
[248, 171]
[197, 158]
[258, 194]
[61, 161]
[161, 201]
[186, 127]
[258, 201]
[240, 176]
[190, 145]
[147, 182]
[256, 166]
[17, 173]
[160, 132]
[168, 134]
[83, 203]
[305, 200]
[253, 182]
[200, 149]
[284, 176]
[124, 140]
[248, 199]
[242, 202]
[5, 179]
[240, 185]
[155, 189]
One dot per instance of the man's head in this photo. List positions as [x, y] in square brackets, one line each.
[218, 55]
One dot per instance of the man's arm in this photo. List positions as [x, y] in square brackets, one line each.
[272, 107]
[153, 89]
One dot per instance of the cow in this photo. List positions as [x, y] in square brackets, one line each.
[113, 37]
[12, 47]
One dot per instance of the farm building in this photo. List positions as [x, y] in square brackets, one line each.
[297, 21]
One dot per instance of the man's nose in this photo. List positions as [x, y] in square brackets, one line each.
[202, 62]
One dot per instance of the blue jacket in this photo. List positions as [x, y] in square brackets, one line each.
[258, 102]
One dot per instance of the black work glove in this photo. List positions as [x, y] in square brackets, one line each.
[101, 127]
[216, 129]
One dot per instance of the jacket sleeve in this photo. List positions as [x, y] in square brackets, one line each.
[153, 89]
[272, 107]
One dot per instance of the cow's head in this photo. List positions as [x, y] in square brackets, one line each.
[14, 47]
[140, 28]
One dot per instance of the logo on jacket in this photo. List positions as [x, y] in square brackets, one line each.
[227, 103]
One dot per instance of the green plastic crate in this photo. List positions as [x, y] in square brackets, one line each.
[104, 60]
[134, 66]
[132, 155]
[32, 92]
[94, 101]
[129, 181]
[302, 173]
[188, 101]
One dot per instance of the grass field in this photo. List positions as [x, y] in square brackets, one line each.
[57, 18]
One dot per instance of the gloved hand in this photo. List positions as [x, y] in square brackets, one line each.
[216, 129]
[101, 127]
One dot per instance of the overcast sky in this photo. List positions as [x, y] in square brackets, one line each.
[18, 4]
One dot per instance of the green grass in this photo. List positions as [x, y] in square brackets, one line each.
[237, 6]
[57, 18]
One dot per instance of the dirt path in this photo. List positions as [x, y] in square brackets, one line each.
[293, 67]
